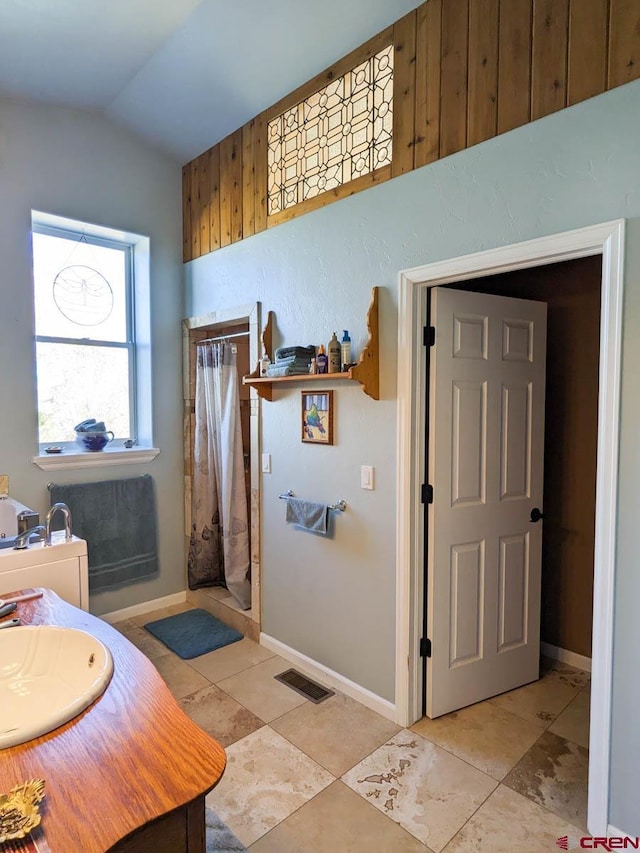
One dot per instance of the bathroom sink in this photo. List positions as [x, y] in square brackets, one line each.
[48, 675]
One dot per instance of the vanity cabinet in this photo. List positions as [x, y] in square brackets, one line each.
[130, 773]
[62, 567]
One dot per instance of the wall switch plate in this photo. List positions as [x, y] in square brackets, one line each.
[366, 477]
[266, 463]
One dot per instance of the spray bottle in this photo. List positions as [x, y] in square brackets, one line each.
[345, 347]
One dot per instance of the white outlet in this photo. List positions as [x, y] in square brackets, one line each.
[266, 463]
[366, 477]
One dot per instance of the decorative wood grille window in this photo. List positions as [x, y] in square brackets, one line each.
[338, 134]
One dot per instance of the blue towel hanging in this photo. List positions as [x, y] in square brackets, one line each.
[307, 514]
[118, 520]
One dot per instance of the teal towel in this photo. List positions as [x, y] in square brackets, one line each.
[311, 516]
[287, 370]
[292, 361]
[298, 352]
[118, 520]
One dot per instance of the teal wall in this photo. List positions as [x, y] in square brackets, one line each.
[75, 164]
[334, 599]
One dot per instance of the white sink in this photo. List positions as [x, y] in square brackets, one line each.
[48, 675]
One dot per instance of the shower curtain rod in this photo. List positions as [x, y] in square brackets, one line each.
[223, 338]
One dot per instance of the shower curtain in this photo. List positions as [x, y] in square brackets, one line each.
[219, 545]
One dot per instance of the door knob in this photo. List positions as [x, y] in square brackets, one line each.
[536, 515]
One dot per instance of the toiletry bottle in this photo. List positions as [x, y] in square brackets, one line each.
[345, 346]
[265, 361]
[333, 349]
[322, 362]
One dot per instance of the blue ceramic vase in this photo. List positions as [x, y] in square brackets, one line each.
[94, 441]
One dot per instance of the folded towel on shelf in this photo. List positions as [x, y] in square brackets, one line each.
[287, 370]
[299, 352]
[292, 361]
[311, 516]
[118, 520]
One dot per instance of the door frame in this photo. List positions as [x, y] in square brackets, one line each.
[605, 239]
[249, 314]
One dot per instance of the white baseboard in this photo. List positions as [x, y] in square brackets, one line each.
[329, 678]
[144, 607]
[565, 656]
[612, 832]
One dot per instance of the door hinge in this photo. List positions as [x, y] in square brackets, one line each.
[429, 336]
[427, 493]
[425, 648]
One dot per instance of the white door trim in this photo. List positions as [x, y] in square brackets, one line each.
[606, 239]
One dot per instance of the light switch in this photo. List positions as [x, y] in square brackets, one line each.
[366, 477]
[266, 463]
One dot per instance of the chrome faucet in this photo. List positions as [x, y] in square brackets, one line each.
[22, 539]
[64, 509]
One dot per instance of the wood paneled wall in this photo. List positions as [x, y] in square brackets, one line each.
[465, 71]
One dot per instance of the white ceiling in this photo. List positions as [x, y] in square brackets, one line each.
[180, 73]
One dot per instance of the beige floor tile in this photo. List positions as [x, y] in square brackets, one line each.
[573, 722]
[257, 689]
[491, 739]
[161, 613]
[179, 608]
[425, 789]
[542, 701]
[554, 774]
[265, 781]
[123, 625]
[509, 823]
[337, 820]
[143, 640]
[218, 592]
[229, 660]
[220, 715]
[180, 678]
[230, 601]
[337, 733]
[568, 674]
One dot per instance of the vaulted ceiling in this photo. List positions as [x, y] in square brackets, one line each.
[180, 73]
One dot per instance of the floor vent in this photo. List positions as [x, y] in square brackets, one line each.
[304, 686]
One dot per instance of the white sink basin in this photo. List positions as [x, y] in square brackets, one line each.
[48, 675]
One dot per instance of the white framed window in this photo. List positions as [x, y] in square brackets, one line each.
[85, 333]
[92, 348]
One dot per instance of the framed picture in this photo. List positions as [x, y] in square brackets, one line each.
[317, 417]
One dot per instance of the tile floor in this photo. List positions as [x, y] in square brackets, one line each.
[508, 774]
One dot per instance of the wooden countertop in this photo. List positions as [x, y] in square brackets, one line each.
[130, 758]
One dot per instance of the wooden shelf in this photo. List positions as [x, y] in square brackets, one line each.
[366, 371]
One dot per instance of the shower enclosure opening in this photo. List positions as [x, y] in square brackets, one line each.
[221, 472]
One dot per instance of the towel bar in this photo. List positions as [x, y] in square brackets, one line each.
[339, 505]
[51, 485]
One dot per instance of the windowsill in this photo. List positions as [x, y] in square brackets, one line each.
[73, 458]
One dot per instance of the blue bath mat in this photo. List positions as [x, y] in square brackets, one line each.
[220, 839]
[193, 633]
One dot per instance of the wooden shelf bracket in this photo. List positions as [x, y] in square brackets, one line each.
[366, 371]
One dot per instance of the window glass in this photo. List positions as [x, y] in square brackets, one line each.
[80, 382]
[80, 289]
[336, 135]
[85, 351]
